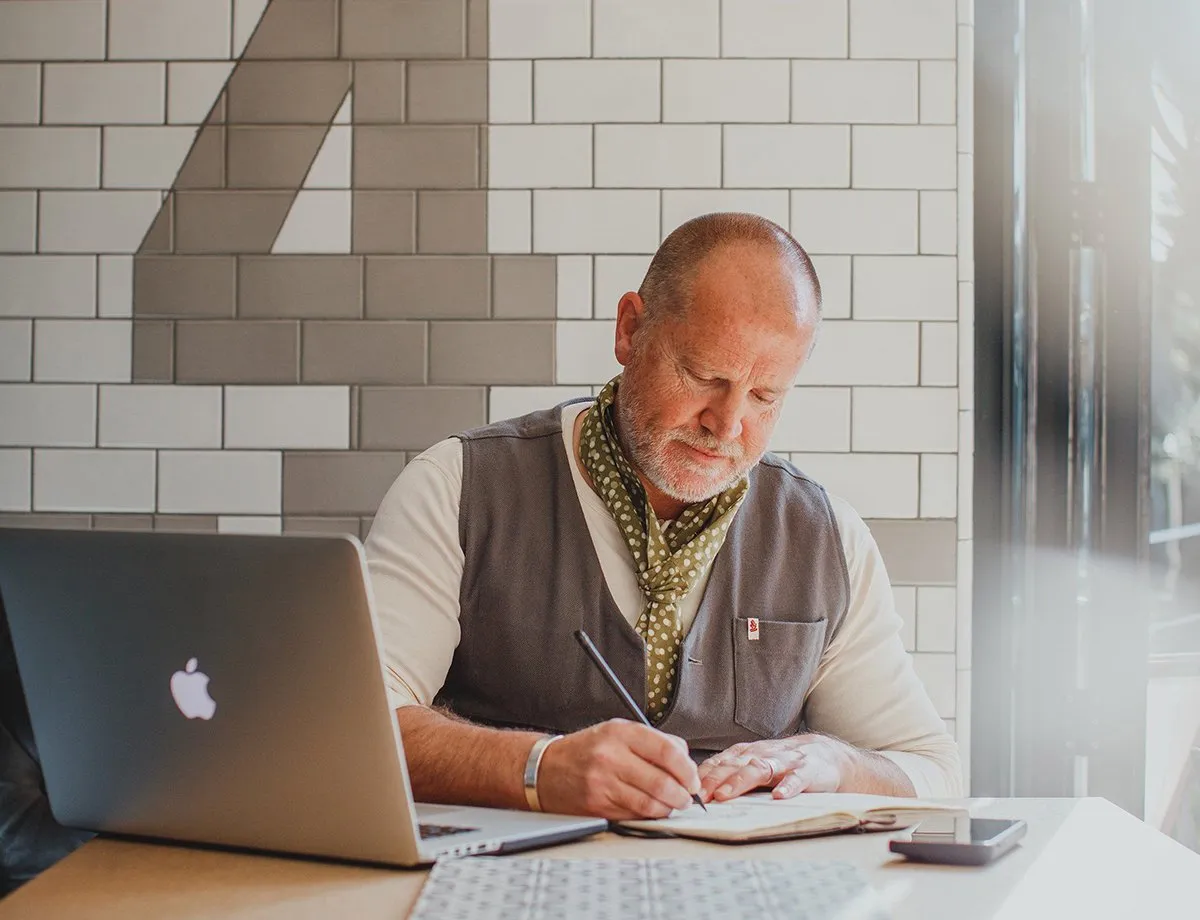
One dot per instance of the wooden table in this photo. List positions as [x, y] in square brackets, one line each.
[1080, 858]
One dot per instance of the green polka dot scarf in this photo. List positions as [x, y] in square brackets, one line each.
[670, 558]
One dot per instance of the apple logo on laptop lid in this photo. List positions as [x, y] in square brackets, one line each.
[189, 688]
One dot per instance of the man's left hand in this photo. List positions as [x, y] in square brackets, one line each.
[788, 766]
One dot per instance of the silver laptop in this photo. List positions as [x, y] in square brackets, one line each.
[226, 690]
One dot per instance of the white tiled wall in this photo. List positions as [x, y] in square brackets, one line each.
[847, 121]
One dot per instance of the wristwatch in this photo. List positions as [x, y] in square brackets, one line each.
[531, 770]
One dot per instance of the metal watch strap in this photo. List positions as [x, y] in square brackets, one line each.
[531, 770]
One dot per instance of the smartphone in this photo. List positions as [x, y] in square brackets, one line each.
[960, 841]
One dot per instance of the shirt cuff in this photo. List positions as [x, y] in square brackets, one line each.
[930, 778]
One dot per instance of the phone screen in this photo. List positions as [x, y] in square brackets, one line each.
[961, 830]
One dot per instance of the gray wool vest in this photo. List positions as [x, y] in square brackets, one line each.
[531, 578]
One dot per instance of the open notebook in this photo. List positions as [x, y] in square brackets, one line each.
[760, 817]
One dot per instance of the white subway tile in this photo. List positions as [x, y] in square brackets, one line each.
[905, 287]
[787, 156]
[725, 91]
[93, 480]
[937, 673]
[905, 156]
[109, 222]
[966, 345]
[681, 205]
[20, 92]
[540, 156]
[47, 286]
[16, 350]
[512, 402]
[18, 221]
[905, 420]
[510, 221]
[902, 28]
[616, 276]
[965, 586]
[849, 221]
[814, 419]
[301, 417]
[246, 16]
[52, 30]
[905, 598]
[965, 109]
[962, 734]
[114, 293]
[574, 288]
[966, 12]
[145, 158]
[103, 94]
[49, 157]
[841, 92]
[321, 220]
[656, 28]
[192, 88]
[939, 485]
[82, 350]
[584, 350]
[966, 217]
[939, 354]
[220, 482]
[160, 416]
[784, 28]
[966, 475]
[596, 221]
[16, 480]
[939, 105]
[539, 28]
[596, 91]
[858, 353]
[939, 223]
[834, 274]
[876, 485]
[510, 92]
[658, 156]
[935, 619]
[252, 524]
[47, 415]
[169, 30]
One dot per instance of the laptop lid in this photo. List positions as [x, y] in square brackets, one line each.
[219, 689]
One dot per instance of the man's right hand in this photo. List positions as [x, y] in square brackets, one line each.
[617, 770]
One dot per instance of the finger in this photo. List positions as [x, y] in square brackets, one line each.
[793, 783]
[642, 779]
[759, 771]
[717, 778]
[667, 753]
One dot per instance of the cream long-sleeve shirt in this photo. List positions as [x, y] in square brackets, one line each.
[865, 690]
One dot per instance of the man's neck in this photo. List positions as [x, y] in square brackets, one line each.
[665, 507]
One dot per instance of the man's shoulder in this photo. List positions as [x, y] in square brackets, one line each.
[539, 424]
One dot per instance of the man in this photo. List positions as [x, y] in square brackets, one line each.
[745, 607]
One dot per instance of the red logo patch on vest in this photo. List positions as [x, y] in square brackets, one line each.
[752, 629]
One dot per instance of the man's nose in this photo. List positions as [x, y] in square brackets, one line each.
[722, 418]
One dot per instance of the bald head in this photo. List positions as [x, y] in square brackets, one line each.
[667, 287]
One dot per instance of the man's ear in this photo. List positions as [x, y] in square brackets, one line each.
[631, 316]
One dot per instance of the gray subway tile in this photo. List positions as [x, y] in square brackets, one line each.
[204, 167]
[415, 418]
[920, 552]
[122, 522]
[183, 286]
[47, 521]
[296, 29]
[229, 221]
[364, 526]
[345, 482]
[378, 352]
[427, 287]
[325, 526]
[160, 238]
[416, 156]
[153, 351]
[384, 222]
[447, 91]
[302, 92]
[216, 351]
[186, 523]
[271, 157]
[316, 286]
[491, 353]
[405, 29]
[524, 287]
[452, 222]
[379, 92]
[477, 28]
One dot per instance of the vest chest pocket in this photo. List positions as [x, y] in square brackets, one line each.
[772, 672]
